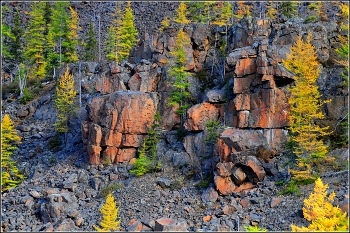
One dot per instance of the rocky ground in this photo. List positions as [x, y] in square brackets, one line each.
[67, 197]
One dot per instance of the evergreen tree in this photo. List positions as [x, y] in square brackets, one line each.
[271, 11]
[110, 214]
[63, 34]
[64, 100]
[305, 101]
[147, 154]
[323, 215]
[181, 16]
[179, 96]
[15, 46]
[35, 41]
[290, 8]
[126, 34]
[212, 128]
[197, 12]
[10, 176]
[112, 42]
[90, 45]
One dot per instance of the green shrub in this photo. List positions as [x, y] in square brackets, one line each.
[27, 96]
[110, 188]
[310, 19]
[147, 154]
[55, 141]
[292, 188]
[204, 183]
[254, 229]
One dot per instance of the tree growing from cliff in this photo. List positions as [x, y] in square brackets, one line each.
[147, 154]
[180, 95]
[223, 13]
[109, 212]
[35, 41]
[126, 34]
[212, 128]
[90, 44]
[64, 100]
[323, 215]
[305, 101]
[10, 176]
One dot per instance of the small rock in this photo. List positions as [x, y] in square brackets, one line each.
[210, 195]
[79, 221]
[164, 183]
[96, 183]
[206, 218]
[65, 225]
[238, 176]
[275, 201]
[228, 209]
[35, 194]
[135, 227]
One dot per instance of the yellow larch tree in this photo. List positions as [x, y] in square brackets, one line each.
[305, 101]
[73, 35]
[110, 214]
[64, 100]
[10, 176]
[323, 215]
[181, 16]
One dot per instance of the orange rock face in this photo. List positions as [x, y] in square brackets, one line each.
[245, 67]
[117, 124]
[224, 185]
[199, 114]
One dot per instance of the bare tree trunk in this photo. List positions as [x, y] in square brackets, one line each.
[79, 84]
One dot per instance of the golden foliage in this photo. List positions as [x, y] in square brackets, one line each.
[110, 214]
[305, 101]
[243, 9]
[319, 210]
[10, 176]
[223, 12]
[64, 100]
[73, 35]
[181, 16]
[165, 23]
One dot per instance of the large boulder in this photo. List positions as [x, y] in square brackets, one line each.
[199, 115]
[116, 125]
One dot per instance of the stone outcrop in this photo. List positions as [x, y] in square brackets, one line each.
[116, 125]
[199, 114]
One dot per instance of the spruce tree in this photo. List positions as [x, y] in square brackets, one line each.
[62, 34]
[90, 45]
[16, 47]
[290, 8]
[305, 101]
[112, 42]
[10, 176]
[126, 34]
[35, 41]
